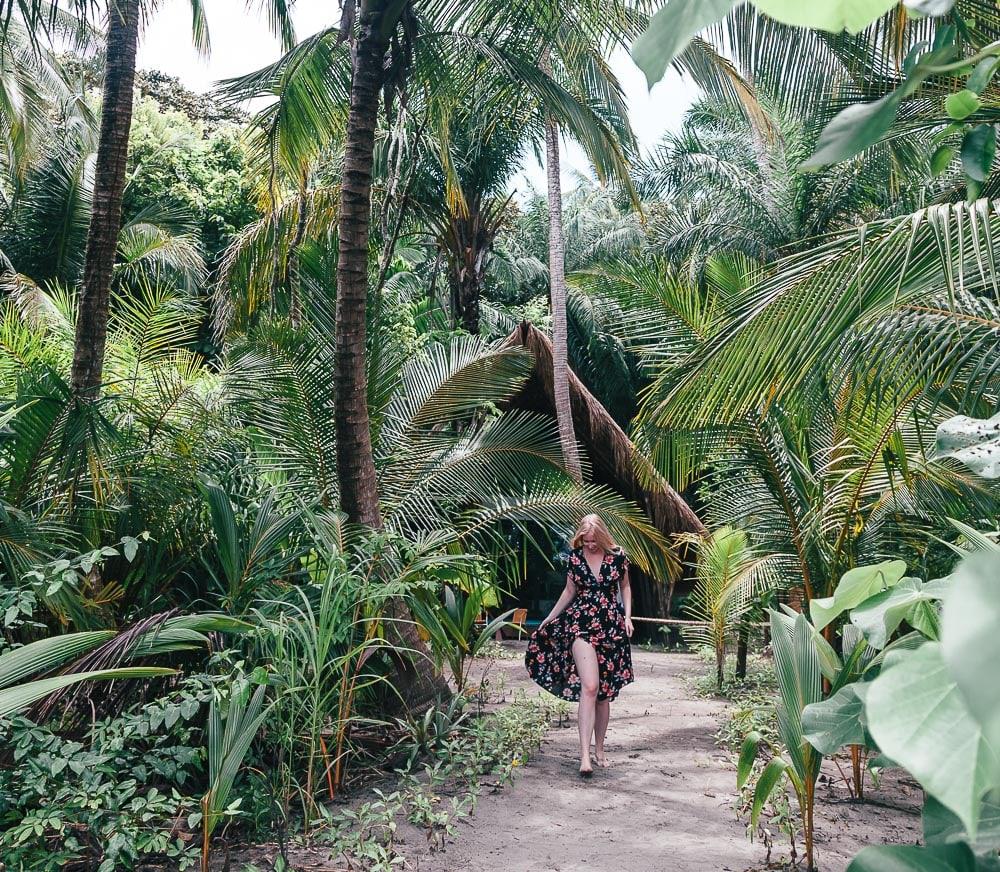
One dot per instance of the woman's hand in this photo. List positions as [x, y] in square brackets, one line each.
[629, 629]
[548, 620]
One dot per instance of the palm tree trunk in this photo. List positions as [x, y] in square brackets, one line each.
[742, 646]
[355, 463]
[109, 185]
[416, 684]
[292, 270]
[557, 284]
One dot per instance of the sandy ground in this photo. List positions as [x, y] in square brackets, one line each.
[665, 805]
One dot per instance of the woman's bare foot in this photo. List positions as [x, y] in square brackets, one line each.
[586, 770]
[602, 760]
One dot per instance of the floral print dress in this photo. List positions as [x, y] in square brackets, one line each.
[594, 615]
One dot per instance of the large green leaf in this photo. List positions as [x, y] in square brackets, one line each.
[832, 15]
[671, 29]
[880, 616]
[854, 129]
[919, 718]
[855, 587]
[765, 786]
[979, 147]
[972, 441]
[942, 827]
[748, 755]
[831, 724]
[913, 858]
[47, 654]
[970, 633]
[861, 125]
[14, 699]
[800, 682]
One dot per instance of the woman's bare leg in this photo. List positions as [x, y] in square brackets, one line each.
[586, 668]
[602, 716]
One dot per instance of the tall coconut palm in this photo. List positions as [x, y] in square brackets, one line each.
[377, 23]
[557, 295]
[396, 49]
[460, 192]
[109, 185]
[123, 25]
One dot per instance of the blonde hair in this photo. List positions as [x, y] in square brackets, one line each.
[594, 526]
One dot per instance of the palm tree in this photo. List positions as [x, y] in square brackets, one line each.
[578, 39]
[45, 226]
[557, 291]
[392, 50]
[729, 579]
[109, 185]
[377, 22]
[459, 192]
[32, 83]
[109, 172]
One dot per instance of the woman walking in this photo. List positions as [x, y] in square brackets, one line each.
[581, 650]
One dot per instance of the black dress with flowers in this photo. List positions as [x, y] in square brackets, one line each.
[594, 615]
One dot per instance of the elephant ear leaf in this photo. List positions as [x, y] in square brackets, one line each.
[942, 827]
[832, 723]
[969, 641]
[975, 442]
[833, 15]
[914, 858]
[919, 717]
[856, 586]
[670, 31]
[879, 617]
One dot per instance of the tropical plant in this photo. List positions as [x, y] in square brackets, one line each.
[729, 580]
[453, 621]
[318, 639]
[800, 683]
[940, 658]
[17, 664]
[230, 733]
[118, 800]
[96, 655]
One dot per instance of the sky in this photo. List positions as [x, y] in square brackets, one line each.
[241, 42]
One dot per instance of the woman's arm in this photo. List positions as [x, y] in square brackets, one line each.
[565, 598]
[626, 589]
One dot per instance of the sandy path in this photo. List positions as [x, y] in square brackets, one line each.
[666, 803]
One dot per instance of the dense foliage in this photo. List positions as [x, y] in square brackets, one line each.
[235, 568]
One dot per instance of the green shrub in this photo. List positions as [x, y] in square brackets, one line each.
[117, 798]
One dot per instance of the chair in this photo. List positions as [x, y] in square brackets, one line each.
[518, 619]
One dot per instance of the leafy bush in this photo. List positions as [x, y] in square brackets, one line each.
[119, 797]
[469, 750]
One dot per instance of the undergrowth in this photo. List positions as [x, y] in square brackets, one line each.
[751, 699]
[751, 709]
[446, 772]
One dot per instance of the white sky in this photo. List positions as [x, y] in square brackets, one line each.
[241, 42]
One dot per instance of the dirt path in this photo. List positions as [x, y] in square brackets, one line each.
[666, 803]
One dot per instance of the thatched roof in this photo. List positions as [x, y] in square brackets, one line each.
[616, 461]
